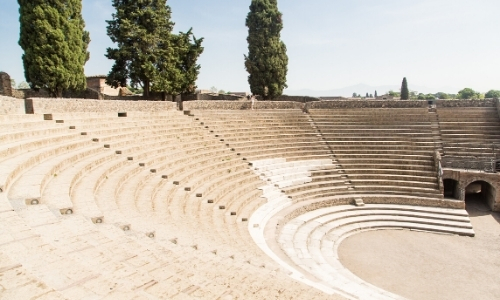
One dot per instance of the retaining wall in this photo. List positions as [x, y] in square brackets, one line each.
[52, 105]
[241, 105]
[11, 106]
[467, 103]
[367, 104]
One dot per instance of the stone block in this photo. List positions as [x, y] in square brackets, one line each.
[359, 202]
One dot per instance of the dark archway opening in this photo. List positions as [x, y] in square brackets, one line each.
[451, 190]
[480, 194]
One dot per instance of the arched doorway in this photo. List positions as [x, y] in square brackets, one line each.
[451, 190]
[480, 193]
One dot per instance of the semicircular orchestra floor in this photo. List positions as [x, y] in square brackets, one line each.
[422, 265]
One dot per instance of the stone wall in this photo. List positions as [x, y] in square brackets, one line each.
[241, 105]
[152, 97]
[498, 106]
[5, 85]
[52, 105]
[464, 178]
[302, 99]
[467, 103]
[207, 97]
[11, 106]
[367, 104]
[29, 93]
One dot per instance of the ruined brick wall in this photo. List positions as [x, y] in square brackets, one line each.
[5, 85]
[95, 83]
[51, 105]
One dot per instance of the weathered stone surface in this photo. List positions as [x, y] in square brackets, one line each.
[44, 105]
[467, 103]
[366, 104]
[241, 105]
[5, 85]
[9, 105]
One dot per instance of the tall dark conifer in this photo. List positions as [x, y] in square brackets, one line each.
[405, 93]
[55, 44]
[267, 61]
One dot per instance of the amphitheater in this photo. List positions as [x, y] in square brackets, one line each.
[139, 200]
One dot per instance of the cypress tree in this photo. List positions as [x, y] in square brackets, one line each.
[405, 93]
[55, 44]
[267, 61]
[376, 94]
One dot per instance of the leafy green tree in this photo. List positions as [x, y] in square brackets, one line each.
[267, 61]
[393, 93]
[442, 95]
[405, 92]
[23, 85]
[142, 32]
[189, 50]
[469, 93]
[55, 44]
[148, 53]
[492, 94]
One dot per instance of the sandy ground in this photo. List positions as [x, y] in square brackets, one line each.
[420, 265]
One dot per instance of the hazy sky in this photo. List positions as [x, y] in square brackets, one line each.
[438, 44]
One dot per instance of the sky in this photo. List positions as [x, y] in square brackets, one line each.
[438, 45]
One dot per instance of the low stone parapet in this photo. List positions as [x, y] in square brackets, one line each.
[467, 103]
[367, 104]
[52, 105]
[241, 105]
[11, 106]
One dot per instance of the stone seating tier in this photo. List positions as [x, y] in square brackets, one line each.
[187, 197]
